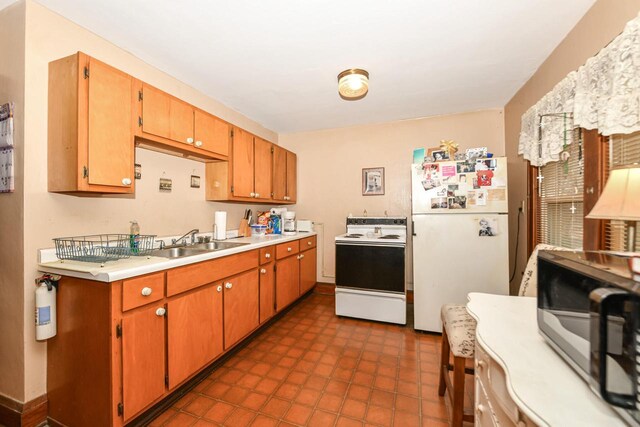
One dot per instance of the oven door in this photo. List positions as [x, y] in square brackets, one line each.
[373, 267]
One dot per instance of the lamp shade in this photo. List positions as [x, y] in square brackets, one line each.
[353, 84]
[620, 199]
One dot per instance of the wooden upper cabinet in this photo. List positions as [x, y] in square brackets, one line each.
[143, 359]
[211, 133]
[90, 141]
[262, 169]
[171, 124]
[284, 175]
[279, 173]
[242, 164]
[292, 176]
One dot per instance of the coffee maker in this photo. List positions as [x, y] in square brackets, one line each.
[289, 223]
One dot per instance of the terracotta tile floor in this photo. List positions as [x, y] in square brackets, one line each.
[311, 368]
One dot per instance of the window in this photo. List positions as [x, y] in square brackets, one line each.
[559, 197]
[623, 150]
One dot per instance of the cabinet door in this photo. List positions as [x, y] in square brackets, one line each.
[243, 164]
[156, 111]
[194, 332]
[267, 292]
[241, 312]
[211, 133]
[110, 138]
[262, 169]
[142, 359]
[180, 121]
[279, 173]
[292, 176]
[307, 270]
[287, 281]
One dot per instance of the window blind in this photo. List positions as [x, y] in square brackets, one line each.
[623, 150]
[560, 207]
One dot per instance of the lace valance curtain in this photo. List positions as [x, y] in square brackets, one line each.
[602, 94]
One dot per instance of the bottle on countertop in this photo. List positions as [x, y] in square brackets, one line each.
[134, 237]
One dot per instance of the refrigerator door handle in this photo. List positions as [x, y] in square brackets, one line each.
[413, 228]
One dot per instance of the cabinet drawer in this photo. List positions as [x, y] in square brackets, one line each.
[139, 291]
[191, 276]
[307, 243]
[266, 254]
[283, 250]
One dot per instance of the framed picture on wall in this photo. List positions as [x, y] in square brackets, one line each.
[373, 181]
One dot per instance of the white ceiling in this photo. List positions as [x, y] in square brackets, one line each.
[277, 61]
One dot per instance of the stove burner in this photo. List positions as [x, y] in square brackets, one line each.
[390, 236]
[353, 235]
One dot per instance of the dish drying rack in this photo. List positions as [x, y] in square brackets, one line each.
[103, 247]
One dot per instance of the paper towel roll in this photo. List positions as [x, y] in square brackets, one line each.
[220, 225]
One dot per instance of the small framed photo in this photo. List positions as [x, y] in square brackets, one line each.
[195, 181]
[373, 182]
[438, 154]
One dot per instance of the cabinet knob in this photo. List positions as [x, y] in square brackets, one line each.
[257, 195]
[228, 285]
[146, 291]
[267, 256]
[198, 144]
[161, 311]
[481, 364]
[301, 256]
[263, 271]
[289, 249]
[189, 140]
[286, 198]
[126, 181]
[252, 194]
[219, 288]
[479, 409]
[308, 243]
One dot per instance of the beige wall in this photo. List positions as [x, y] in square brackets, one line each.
[601, 24]
[12, 29]
[47, 215]
[330, 166]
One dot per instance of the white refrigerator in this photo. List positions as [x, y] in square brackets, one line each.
[460, 234]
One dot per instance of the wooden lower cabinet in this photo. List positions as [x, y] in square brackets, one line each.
[119, 351]
[267, 292]
[287, 281]
[194, 332]
[143, 366]
[241, 307]
[308, 270]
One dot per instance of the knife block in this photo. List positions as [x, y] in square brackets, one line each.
[244, 229]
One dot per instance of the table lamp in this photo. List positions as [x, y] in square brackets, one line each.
[620, 200]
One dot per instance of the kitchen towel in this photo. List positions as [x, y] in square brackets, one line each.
[6, 125]
[6, 170]
[220, 225]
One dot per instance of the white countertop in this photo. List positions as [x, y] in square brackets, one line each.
[539, 381]
[112, 271]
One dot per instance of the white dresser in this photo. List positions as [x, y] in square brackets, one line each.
[520, 380]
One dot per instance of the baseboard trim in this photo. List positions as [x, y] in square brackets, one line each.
[30, 414]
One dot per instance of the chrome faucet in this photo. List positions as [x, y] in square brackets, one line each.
[191, 233]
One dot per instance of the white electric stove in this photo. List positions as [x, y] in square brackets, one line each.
[370, 269]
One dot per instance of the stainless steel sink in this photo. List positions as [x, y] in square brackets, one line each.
[217, 246]
[178, 252]
[201, 248]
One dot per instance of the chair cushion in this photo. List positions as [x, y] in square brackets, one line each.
[529, 283]
[460, 328]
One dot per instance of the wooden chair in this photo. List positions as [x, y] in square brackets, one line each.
[459, 340]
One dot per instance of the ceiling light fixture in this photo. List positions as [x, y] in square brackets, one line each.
[353, 84]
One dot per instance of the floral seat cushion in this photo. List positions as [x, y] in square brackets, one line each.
[460, 328]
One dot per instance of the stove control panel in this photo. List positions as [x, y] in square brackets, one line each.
[376, 221]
